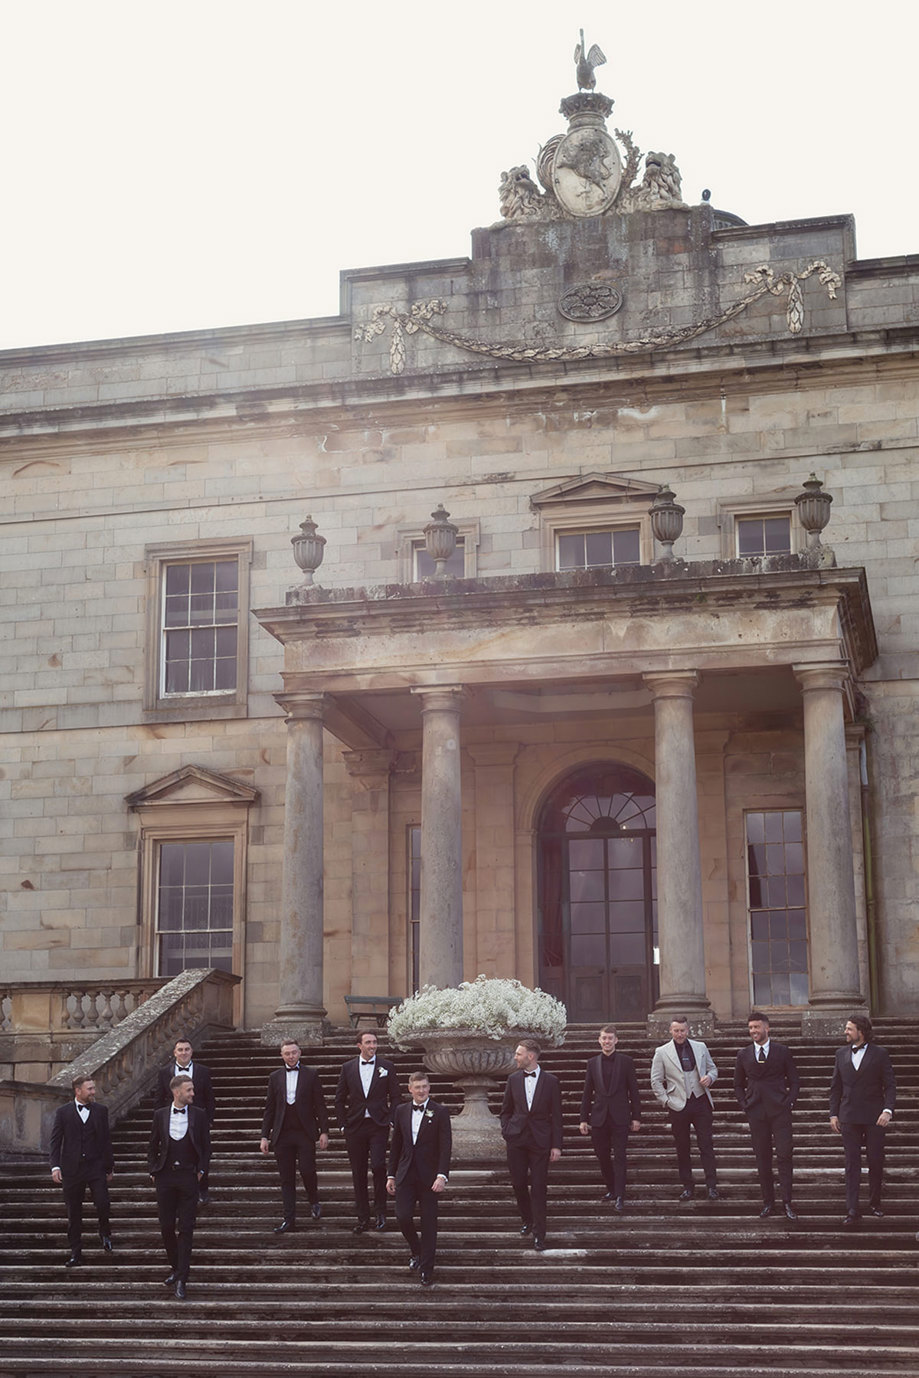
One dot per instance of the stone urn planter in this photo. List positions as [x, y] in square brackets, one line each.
[475, 1063]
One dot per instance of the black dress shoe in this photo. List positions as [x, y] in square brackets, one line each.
[427, 1279]
[687, 1193]
[74, 1261]
[790, 1212]
[608, 1197]
[180, 1290]
[414, 1263]
[619, 1205]
[767, 1210]
[316, 1209]
[539, 1242]
[203, 1198]
[171, 1280]
[106, 1242]
[361, 1227]
[851, 1220]
[526, 1227]
[380, 1221]
[876, 1211]
[285, 1227]
[714, 1194]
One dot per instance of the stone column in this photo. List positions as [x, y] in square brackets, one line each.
[300, 1013]
[833, 940]
[441, 938]
[370, 938]
[679, 870]
[495, 943]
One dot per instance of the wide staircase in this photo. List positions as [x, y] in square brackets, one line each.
[701, 1288]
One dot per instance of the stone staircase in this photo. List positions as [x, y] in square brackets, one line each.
[701, 1288]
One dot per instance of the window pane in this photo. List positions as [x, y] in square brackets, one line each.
[588, 918]
[195, 905]
[587, 855]
[777, 535]
[588, 949]
[425, 566]
[199, 656]
[749, 536]
[571, 551]
[628, 917]
[627, 949]
[627, 547]
[778, 937]
[626, 885]
[586, 885]
[599, 547]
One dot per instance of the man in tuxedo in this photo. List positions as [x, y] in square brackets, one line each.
[610, 1110]
[177, 1156]
[419, 1166]
[531, 1122]
[766, 1084]
[681, 1073]
[863, 1094]
[81, 1156]
[295, 1118]
[181, 1064]
[365, 1103]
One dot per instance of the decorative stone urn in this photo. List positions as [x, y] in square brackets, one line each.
[440, 540]
[309, 549]
[666, 521]
[475, 1063]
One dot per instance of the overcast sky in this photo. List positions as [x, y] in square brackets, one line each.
[217, 162]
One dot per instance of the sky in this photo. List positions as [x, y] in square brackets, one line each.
[206, 163]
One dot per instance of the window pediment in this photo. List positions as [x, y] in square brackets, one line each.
[193, 785]
[592, 489]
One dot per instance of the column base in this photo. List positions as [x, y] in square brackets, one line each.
[829, 1021]
[701, 1019]
[307, 1027]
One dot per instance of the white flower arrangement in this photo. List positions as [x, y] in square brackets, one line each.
[488, 1006]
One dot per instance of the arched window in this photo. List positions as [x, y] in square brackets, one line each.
[597, 894]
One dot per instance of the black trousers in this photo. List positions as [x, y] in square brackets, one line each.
[294, 1148]
[873, 1137]
[409, 1192]
[177, 1206]
[73, 1198]
[770, 1134]
[529, 1169]
[609, 1143]
[696, 1114]
[366, 1144]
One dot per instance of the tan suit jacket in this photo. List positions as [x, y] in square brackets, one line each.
[668, 1081]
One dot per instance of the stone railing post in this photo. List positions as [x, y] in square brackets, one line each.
[441, 937]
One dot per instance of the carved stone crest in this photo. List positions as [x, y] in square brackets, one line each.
[586, 171]
[590, 301]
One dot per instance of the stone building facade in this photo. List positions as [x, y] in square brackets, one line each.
[648, 751]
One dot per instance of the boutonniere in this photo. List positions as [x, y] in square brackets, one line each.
[381, 1071]
[429, 1114]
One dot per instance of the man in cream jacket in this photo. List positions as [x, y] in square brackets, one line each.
[681, 1073]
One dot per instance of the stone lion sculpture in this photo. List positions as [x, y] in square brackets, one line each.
[660, 187]
[519, 195]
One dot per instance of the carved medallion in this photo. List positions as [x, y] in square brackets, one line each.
[590, 301]
[586, 171]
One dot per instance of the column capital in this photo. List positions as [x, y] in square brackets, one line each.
[437, 697]
[301, 705]
[827, 674]
[493, 753]
[672, 684]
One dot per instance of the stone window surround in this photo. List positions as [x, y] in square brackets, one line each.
[781, 504]
[222, 703]
[601, 514]
[410, 537]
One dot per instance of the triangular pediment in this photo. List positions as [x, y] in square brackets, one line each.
[193, 785]
[594, 488]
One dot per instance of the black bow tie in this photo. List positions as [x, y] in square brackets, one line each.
[529, 1074]
[366, 1064]
[177, 1112]
[182, 1069]
[416, 1109]
[294, 1069]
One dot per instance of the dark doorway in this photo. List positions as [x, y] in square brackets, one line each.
[598, 894]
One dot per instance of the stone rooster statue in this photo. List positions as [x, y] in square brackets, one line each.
[586, 62]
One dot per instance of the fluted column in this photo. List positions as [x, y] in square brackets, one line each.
[300, 1010]
[441, 936]
[833, 939]
[679, 870]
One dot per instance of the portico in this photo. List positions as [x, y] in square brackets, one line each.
[480, 694]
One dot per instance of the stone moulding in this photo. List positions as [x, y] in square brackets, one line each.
[420, 316]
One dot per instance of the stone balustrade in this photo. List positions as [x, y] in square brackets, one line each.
[60, 1007]
[124, 1059]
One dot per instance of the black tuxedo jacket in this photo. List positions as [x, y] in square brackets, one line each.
[859, 1097]
[621, 1103]
[204, 1089]
[67, 1140]
[765, 1089]
[544, 1120]
[309, 1104]
[381, 1101]
[430, 1154]
[160, 1142]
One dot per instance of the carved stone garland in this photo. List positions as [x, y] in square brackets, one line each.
[420, 316]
